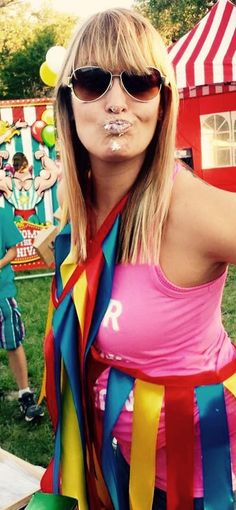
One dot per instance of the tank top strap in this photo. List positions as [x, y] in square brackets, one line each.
[177, 168]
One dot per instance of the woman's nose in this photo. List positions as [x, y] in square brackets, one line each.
[116, 98]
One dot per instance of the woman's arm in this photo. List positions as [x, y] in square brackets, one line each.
[208, 217]
[199, 238]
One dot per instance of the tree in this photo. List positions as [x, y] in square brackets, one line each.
[174, 18]
[25, 38]
[20, 78]
[5, 3]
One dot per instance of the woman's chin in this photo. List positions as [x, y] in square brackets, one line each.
[113, 151]
[117, 156]
[117, 148]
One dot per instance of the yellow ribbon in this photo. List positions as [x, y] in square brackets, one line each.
[148, 400]
[67, 267]
[79, 292]
[230, 384]
[72, 463]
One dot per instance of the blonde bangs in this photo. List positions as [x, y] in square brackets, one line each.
[118, 39]
[114, 44]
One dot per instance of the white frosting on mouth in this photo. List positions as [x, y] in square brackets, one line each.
[117, 127]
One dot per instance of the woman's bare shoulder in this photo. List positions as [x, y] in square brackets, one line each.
[207, 214]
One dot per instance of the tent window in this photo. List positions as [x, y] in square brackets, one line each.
[218, 140]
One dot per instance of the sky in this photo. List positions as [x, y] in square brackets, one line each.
[83, 8]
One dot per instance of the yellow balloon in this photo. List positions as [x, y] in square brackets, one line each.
[47, 75]
[47, 116]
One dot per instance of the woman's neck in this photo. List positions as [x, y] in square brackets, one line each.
[110, 182]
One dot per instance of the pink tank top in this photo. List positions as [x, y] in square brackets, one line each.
[164, 329]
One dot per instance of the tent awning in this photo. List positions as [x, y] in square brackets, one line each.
[206, 55]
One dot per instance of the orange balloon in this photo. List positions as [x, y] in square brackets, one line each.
[47, 75]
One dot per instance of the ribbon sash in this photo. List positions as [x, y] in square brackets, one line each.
[78, 312]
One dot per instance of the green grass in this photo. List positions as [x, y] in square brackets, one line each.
[30, 441]
[229, 304]
[34, 442]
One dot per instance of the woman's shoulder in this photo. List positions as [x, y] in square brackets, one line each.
[206, 213]
[190, 189]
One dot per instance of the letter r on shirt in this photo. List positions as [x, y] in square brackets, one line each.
[114, 311]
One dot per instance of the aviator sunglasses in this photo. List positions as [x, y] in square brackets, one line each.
[90, 83]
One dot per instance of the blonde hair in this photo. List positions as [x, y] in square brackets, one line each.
[120, 39]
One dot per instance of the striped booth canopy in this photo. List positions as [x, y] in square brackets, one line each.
[206, 55]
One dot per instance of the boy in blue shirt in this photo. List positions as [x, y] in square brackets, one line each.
[11, 325]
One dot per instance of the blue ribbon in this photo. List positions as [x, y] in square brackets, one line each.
[216, 463]
[57, 458]
[109, 248]
[65, 346]
[118, 389]
[58, 324]
[62, 249]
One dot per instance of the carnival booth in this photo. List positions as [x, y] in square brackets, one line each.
[204, 60]
[30, 168]
[29, 172]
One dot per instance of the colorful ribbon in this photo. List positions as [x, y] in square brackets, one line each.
[216, 463]
[81, 294]
[74, 295]
[179, 446]
[118, 390]
[179, 408]
[148, 400]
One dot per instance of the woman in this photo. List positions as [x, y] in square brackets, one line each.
[148, 370]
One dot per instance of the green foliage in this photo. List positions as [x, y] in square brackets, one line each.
[25, 38]
[174, 19]
[20, 78]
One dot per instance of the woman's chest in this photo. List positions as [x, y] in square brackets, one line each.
[147, 316]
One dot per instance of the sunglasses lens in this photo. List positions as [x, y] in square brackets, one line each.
[143, 87]
[89, 83]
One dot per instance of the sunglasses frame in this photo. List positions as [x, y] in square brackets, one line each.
[70, 84]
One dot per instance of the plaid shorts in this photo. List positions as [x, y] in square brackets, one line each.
[12, 329]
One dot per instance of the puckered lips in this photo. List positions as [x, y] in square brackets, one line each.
[117, 127]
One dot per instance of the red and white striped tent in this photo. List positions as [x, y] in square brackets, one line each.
[204, 60]
[206, 55]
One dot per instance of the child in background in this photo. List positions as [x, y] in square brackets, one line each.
[11, 326]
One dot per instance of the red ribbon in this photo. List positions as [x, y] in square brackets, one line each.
[179, 406]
